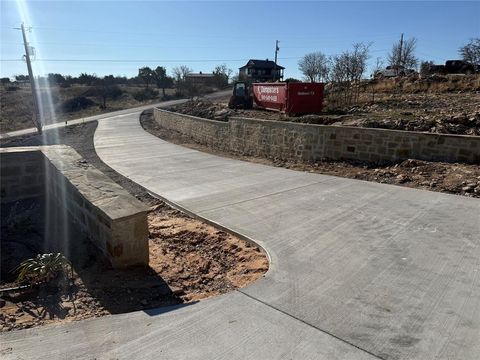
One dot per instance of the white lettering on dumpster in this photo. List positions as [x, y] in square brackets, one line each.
[272, 98]
[268, 93]
[268, 90]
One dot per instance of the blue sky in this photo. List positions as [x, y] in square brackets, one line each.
[173, 33]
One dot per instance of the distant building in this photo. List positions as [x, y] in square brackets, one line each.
[200, 79]
[261, 71]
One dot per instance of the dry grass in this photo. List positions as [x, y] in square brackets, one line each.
[433, 84]
[17, 107]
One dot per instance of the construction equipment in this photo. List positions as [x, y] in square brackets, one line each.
[241, 98]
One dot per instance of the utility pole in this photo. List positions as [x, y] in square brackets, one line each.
[276, 52]
[36, 115]
[400, 51]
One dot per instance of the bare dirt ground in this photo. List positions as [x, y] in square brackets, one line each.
[454, 178]
[189, 260]
[440, 104]
[438, 113]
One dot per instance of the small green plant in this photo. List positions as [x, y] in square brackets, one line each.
[43, 268]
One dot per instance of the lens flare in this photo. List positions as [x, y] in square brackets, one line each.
[56, 236]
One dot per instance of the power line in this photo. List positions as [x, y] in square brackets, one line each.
[156, 47]
[266, 36]
[134, 45]
[143, 60]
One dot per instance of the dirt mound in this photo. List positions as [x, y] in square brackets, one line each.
[438, 113]
[204, 108]
[459, 124]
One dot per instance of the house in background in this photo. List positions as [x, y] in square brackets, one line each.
[201, 79]
[261, 71]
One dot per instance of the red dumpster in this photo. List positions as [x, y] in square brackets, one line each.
[291, 98]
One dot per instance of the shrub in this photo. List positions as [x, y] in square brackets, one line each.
[114, 92]
[145, 94]
[43, 268]
[76, 104]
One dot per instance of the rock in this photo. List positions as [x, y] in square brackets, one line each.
[402, 178]
[409, 163]
[468, 188]
[2, 303]
[177, 291]
[222, 114]
[144, 302]
[460, 119]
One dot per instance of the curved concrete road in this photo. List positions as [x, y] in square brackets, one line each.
[358, 270]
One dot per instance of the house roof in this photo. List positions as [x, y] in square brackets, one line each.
[264, 64]
[202, 75]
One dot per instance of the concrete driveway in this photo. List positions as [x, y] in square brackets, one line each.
[358, 270]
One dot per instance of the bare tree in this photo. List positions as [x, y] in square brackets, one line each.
[180, 75]
[345, 72]
[403, 53]
[181, 72]
[471, 52]
[379, 64]
[222, 75]
[314, 66]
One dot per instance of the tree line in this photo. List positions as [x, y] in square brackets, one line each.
[146, 76]
[344, 71]
[108, 87]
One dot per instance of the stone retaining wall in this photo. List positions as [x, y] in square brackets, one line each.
[306, 142]
[22, 175]
[76, 192]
